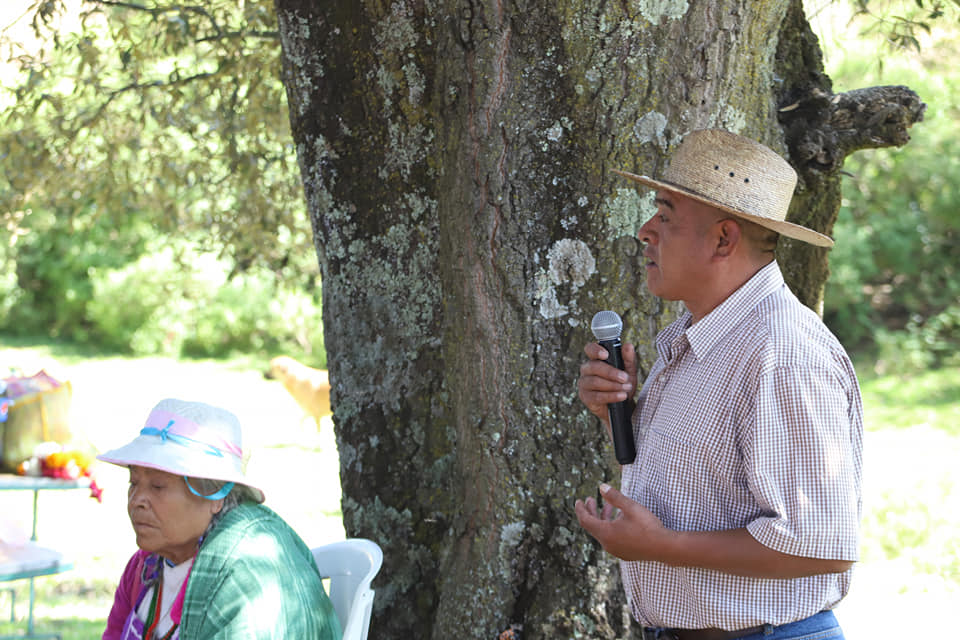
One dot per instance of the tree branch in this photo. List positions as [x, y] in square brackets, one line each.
[88, 121]
[160, 10]
[218, 32]
[232, 35]
[822, 129]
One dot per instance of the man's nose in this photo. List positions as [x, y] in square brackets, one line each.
[645, 233]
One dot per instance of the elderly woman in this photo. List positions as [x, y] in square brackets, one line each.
[213, 562]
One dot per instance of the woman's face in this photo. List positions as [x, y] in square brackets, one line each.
[166, 517]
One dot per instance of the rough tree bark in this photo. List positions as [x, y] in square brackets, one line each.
[456, 161]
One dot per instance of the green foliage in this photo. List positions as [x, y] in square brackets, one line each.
[50, 260]
[171, 114]
[175, 301]
[923, 344]
[253, 315]
[911, 516]
[150, 188]
[894, 289]
[918, 531]
[930, 398]
[901, 24]
[74, 628]
[56, 594]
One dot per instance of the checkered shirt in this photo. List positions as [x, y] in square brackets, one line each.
[750, 418]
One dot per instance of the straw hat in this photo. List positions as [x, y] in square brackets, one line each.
[737, 175]
[187, 439]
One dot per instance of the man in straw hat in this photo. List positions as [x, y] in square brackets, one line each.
[213, 561]
[740, 516]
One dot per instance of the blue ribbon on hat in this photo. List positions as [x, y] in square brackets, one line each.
[222, 493]
[181, 440]
[165, 435]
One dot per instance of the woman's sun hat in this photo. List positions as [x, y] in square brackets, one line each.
[190, 439]
[737, 175]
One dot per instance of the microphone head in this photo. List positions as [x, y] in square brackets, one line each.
[606, 325]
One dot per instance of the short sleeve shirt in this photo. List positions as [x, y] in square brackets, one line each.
[750, 418]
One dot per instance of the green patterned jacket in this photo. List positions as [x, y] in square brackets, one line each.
[254, 579]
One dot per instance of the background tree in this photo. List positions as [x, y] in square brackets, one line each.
[456, 161]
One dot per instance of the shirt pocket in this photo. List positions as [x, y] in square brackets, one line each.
[693, 474]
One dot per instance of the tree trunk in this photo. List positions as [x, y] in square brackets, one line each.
[456, 158]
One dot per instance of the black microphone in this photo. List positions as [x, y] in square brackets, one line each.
[606, 327]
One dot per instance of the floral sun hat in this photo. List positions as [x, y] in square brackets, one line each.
[190, 439]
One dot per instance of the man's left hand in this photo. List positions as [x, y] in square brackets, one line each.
[623, 527]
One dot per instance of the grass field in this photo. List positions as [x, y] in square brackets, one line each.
[910, 566]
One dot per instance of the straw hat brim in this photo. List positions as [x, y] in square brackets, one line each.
[152, 452]
[782, 227]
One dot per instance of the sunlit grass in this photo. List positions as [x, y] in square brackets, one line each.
[70, 607]
[910, 543]
[930, 398]
[918, 522]
[67, 628]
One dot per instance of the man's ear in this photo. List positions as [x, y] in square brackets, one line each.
[728, 237]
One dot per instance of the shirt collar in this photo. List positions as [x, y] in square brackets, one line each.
[667, 338]
[715, 325]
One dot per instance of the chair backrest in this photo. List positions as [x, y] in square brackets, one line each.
[351, 565]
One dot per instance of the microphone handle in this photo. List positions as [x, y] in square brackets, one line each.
[619, 412]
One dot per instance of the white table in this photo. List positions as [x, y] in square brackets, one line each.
[31, 560]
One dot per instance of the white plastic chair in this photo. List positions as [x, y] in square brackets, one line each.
[351, 565]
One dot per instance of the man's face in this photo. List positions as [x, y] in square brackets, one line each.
[679, 247]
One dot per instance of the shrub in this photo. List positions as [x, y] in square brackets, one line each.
[49, 265]
[178, 301]
[254, 313]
